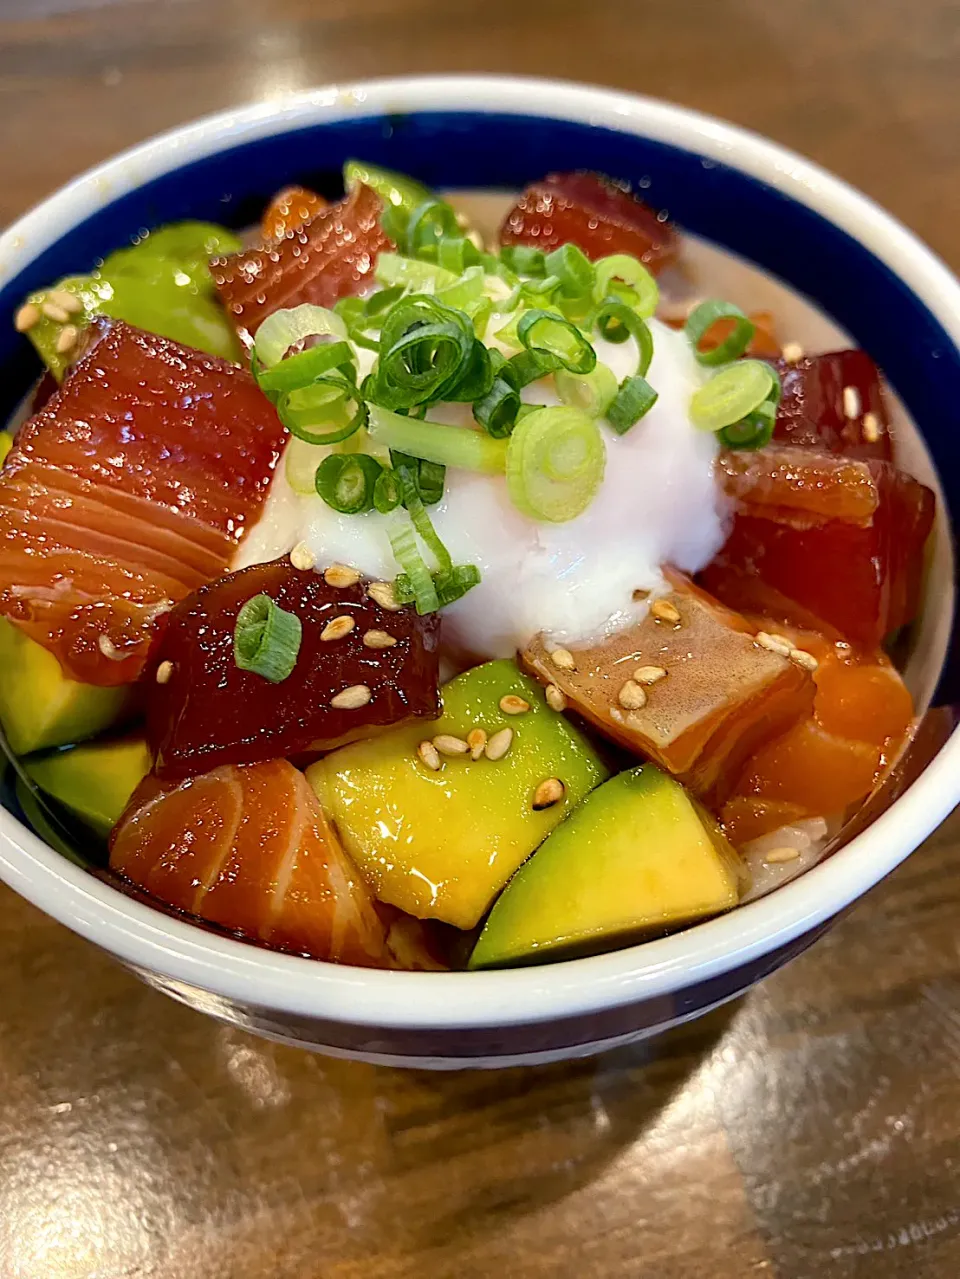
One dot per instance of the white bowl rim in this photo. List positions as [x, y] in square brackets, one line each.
[182, 953]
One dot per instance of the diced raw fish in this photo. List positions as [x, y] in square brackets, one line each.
[798, 486]
[249, 848]
[861, 579]
[586, 210]
[834, 402]
[722, 694]
[129, 489]
[328, 257]
[210, 712]
[288, 210]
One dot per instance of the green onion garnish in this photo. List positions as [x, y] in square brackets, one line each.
[284, 329]
[754, 432]
[617, 322]
[386, 492]
[530, 366]
[449, 585]
[635, 398]
[431, 222]
[731, 394]
[403, 542]
[327, 412]
[572, 268]
[497, 410]
[557, 336]
[428, 352]
[266, 639]
[628, 280]
[555, 463]
[592, 392]
[297, 371]
[392, 269]
[704, 316]
[427, 478]
[524, 260]
[447, 445]
[346, 481]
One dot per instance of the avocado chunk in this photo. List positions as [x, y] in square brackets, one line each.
[94, 781]
[441, 843]
[40, 706]
[639, 855]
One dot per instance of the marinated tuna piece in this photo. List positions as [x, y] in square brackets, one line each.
[288, 211]
[764, 345]
[690, 687]
[797, 486]
[834, 402]
[359, 667]
[330, 256]
[863, 580]
[598, 217]
[130, 488]
[250, 849]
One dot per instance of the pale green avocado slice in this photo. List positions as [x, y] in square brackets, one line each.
[40, 706]
[639, 855]
[441, 843]
[95, 781]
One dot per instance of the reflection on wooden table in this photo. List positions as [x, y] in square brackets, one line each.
[810, 1130]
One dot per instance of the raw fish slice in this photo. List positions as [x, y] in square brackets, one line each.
[834, 402]
[288, 210]
[797, 486]
[330, 256]
[130, 488]
[250, 849]
[598, 217]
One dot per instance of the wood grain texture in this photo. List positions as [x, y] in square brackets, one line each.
[810, 1132]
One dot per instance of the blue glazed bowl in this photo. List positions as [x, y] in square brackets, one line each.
[751, 198]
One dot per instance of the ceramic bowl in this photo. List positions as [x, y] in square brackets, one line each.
[759, 213]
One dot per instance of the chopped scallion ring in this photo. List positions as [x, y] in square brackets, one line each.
[633, 401]
[386, 492]
[617, 322]
[593, 392]
[347, 481]
[703, 317]
[326, 412]
[731, 394]
[266, 639]
[393, 269]
[628, 280]
[546, 331]
[403, 543]
[524, 259]
[298, 371]
[455, 446]
[555, 463]
[284, 329]
[573, 269]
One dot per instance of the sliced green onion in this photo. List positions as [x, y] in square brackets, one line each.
[617, 322]
[524, 259]
[497, 410]
[572, 268]
[592, 392]
[431, 478]
[422, 523]
[328, 411]
[464, 289]
[298, 371]
[628, 280]
[346, 481]
[450, 585]
[530, 366]
[635, 398]
[546, 331]
[455, 446]
[403, 542]
[429, 223]
[362, 316]
[731, 394]
[386, 492]
[300, 462]
[284, 329]
[704, 316]
[266, 639]
[428, 352]
[393, 269]
[555, 463]
[756, 429]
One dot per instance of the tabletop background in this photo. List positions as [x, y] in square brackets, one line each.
[810, 1131]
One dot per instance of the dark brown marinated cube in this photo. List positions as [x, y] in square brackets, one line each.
[373, 668]
[689, 687]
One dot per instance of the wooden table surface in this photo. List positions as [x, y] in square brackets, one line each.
[811, 1131]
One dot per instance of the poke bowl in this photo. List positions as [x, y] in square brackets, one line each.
[476, 580]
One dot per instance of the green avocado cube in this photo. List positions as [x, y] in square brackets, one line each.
[95, 781]
[639, 856]
[441, 843]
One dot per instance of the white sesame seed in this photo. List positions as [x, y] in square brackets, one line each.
[476, 740]
[341, 575]
[499, 744]
[447, 744]
[379, 639]
[549, 792]
[871, 428]
[792, 352]
[26, 317]
[67, 339]
[555, 698]
[631, 696]
[352, 698]
[54, 312]
[164, 671]
[851, 402]
[337, 628]
[616, 714]
[382, 593]
[664, 611]
[777, 856]
[66, 301]
[428, 755]
[302, 556]
[563, 659]
[804, 659]
[774, 643]
[649, 674]
[513, 705]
